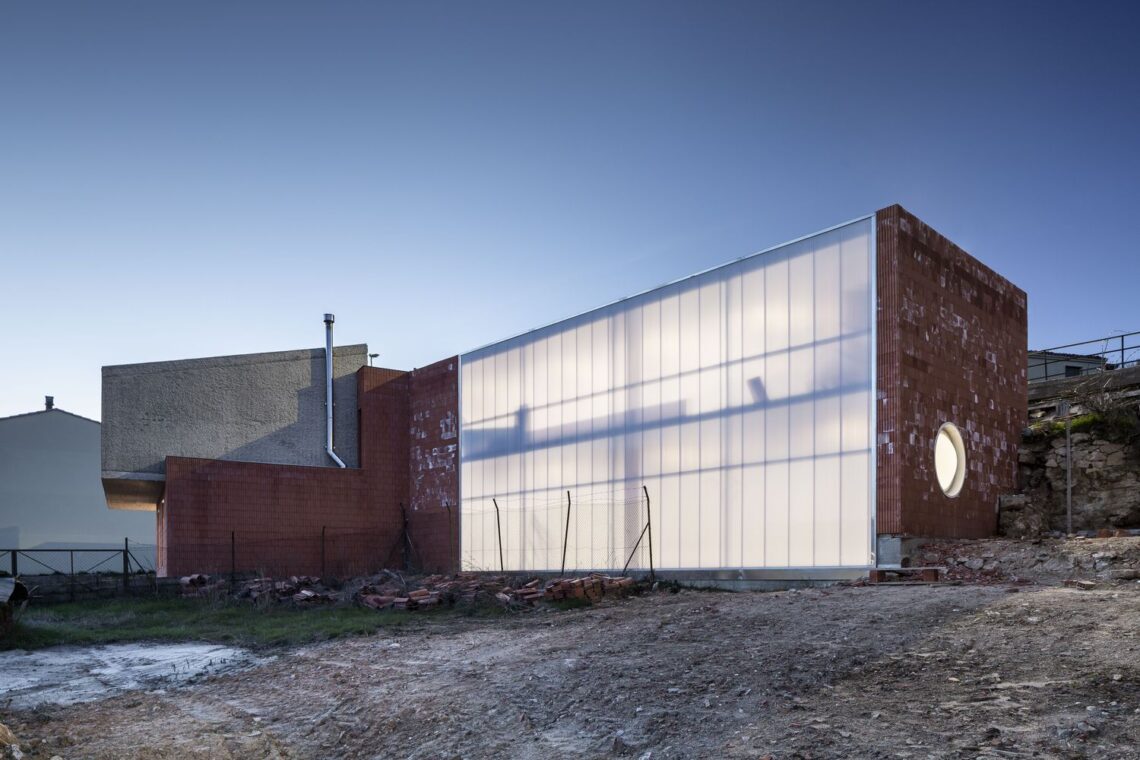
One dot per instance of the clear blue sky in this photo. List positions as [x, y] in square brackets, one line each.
[196, 179]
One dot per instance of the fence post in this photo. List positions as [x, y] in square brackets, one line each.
[126, 565]
[566, 538]
[322, 551]
[1069, 474]
[649, 527]
[233, 561]
[15, 564]
[406, 538]
[499, 531]
[71, 585]
[450, 540]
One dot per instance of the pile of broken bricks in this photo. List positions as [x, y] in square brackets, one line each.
[303, 589]
[592, 587]
[200, 584]
[468, 588]
[390, 590]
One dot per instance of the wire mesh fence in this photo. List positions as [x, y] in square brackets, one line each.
[608, 528]
[328, 551]
[65, 560]
[69, 573]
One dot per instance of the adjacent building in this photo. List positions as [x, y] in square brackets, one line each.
[50, 496]
[795, 414]
[1052, 365]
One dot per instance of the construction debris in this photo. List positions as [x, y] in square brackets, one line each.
[906, 574]
[1083, 585]
[592, 587]
[200, 584]
[1002, 561]
[304, 589]
[390, 591]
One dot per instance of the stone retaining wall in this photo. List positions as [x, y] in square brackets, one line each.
[1106, 466]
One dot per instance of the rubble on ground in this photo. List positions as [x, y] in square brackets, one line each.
[1109, 558]
[200, 584]
[303, 589]
[592, 587]
[960, 671]
[391, 591]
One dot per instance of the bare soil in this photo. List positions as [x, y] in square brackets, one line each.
[998, 669]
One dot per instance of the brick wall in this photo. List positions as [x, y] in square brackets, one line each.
[951, 348]
[433, 457]
[382, 395]
[276, 513]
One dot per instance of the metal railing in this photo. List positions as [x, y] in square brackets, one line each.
[121, 562]
[1112, 352]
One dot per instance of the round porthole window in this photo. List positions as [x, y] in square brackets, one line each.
[950, 459]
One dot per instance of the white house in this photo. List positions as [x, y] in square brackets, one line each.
[51, 496]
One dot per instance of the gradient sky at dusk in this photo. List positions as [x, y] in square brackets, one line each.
[199, 179]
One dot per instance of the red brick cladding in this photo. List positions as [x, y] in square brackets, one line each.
[382, 397]
[276, 513]
[951, 348]
[433, 512]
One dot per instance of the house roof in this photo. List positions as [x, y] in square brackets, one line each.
[49, 411]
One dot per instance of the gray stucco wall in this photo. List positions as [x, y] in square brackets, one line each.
[254, 408]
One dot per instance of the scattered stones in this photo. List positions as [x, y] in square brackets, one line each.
[512, 592]
[1050, 560]
[823, 673]
[302, 589]
[200, 584]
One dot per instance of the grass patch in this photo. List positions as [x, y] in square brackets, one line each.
[125, 620]
[1050, 428]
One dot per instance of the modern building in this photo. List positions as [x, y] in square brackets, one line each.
[50, 496]
[1051, 365]
[232, 455]
[797, 414]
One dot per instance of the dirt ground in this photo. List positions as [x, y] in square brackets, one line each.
[994, 669]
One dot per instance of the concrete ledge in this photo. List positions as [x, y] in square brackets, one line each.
[136, 491]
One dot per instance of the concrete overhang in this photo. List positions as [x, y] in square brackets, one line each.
[137, 491]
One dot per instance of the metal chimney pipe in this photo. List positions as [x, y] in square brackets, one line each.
[329, 319]
[49, 402]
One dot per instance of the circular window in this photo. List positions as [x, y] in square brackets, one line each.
[950, 459]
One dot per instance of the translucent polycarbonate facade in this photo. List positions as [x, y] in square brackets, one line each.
[739, 401]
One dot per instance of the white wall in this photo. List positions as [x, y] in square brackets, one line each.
[740, 398]
[51, 494]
